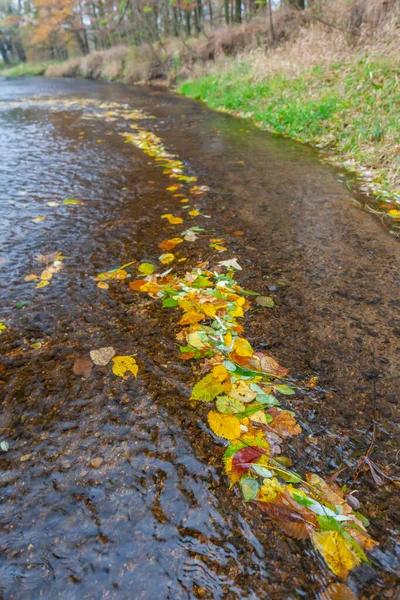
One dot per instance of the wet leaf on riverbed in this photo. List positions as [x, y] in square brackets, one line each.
[338, 555]
[103, 285]
[31, 277]
[42, 284]
[124, 364]
[146, 268]
[338, 591]
[249, 487]
[167, 245]
[102, 356]
[208, 388]
[2, 327]
[166, 258]
[171, 219]
[225, 426]
[283, 422]
[230, 264]
[38, 219]
[72, 201]
[266, 301]
[83, 367]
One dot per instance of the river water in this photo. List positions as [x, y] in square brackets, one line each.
[110, 488]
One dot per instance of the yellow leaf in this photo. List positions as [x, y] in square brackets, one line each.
[103, 285]
[192, 317]
[31, 277]
[185, 305]
[42, 284]
[241, 391]
[194, 213]
[242, 347]
[238, 312]
[171, 219]
[228, 339]
[225, 426]
[270, 489]
[173, 188]
[38, 219]
[208, 388]
[166, 258]
[338, 555]
[208, 309]
[394, 213]
[234, 476]
[146, 268]
[47, 273]
[117, 274]
[122, 364]
[2, 327]
[259, 417]
[184, 200]
[194, 340]
[220, 373]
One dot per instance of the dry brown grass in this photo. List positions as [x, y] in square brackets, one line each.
[302, 39]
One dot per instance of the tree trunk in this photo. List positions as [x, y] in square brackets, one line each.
[226, 9]
[19, 49]
[238, 11]
[3, 52]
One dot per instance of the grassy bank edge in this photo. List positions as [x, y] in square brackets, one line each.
[330, 111]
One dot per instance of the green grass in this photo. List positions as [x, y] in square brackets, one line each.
[36, 68]
[352, 109]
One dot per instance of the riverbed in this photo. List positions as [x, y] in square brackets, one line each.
[110, 487]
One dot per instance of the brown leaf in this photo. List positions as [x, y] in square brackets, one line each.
[82, 367]
[284, 423]
[270, 365]
[338, 591]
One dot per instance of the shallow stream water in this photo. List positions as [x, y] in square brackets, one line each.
[153, 518]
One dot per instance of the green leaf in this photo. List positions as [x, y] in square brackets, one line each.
[229, 406]
[229, 366]
[363, 519]
[249, 293]
[202, 282]
[262, 471]
[249, 487]
[267, 399]
[22, 304]
[251, 409]
[286, 390]
[4, 446]
[169, 303]
[266, 301]
[146, 268]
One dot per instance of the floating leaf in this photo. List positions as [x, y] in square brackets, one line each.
[146, 268]
[123, 364]
[225, 426]
[249, 487]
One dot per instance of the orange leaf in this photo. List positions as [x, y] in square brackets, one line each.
[191, 317]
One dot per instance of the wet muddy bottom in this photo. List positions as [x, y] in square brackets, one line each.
[111, 488]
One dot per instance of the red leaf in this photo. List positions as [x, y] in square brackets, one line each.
[244, 457]
[82, 367]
